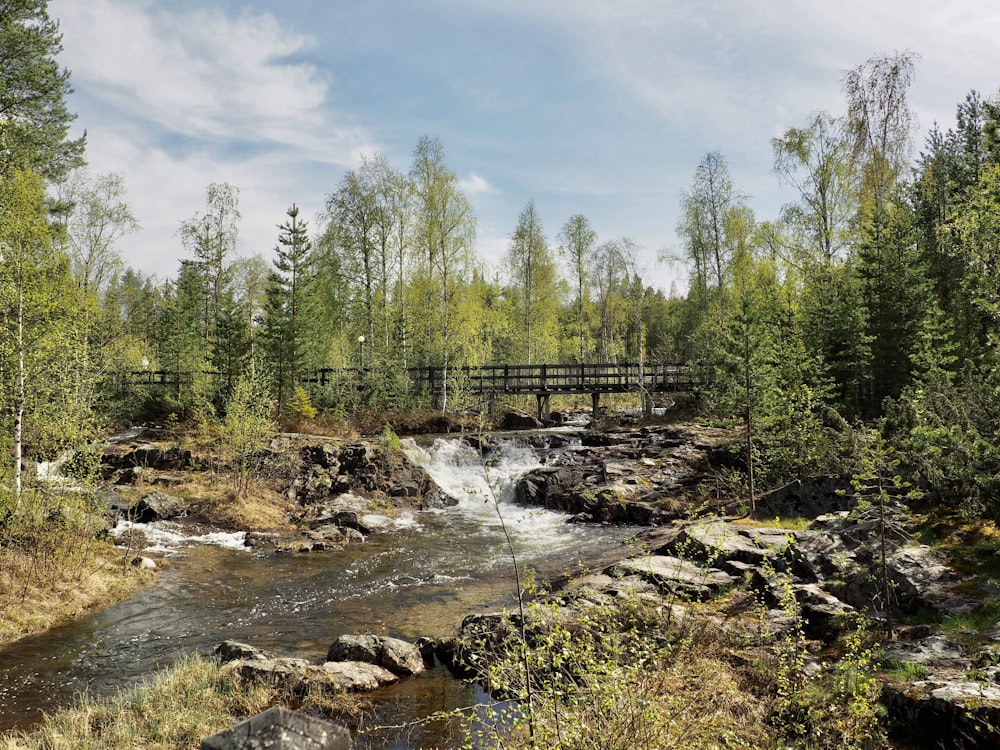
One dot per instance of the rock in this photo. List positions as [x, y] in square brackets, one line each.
[807, 498]
[355, 676]
[933, 651]
[921, 578]
[372, 523]
[281, 729]
[674, 575]
[519, 420]
[228, 651]
[716, 542]
[282, 672]
[157, 506]
[941, 713]
[172, 458]
[437, 499]
[144, 563]
[396, 655]
[823, 614]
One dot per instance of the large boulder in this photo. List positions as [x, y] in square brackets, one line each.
[519, 420]
[157, 506]
[398, 656]
[937, 712]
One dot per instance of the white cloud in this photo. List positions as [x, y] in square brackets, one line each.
[476, 184]
[202, 74]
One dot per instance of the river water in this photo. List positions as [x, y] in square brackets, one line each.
[418, 581]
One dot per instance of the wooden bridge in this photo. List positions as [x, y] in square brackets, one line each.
[493, 381]
[543, 381]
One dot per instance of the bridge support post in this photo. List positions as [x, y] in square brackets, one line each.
[543, 406]
[595, 401]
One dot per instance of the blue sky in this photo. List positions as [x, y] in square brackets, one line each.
[599, 107]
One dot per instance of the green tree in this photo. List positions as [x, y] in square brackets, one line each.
[34, 119]
[287, 308]
[815, 161]
[211, 237]
[534, 283]
[444, 239]
[40, 329]
[879, 126]
[97, 217]
[577, 240]
[247, 425]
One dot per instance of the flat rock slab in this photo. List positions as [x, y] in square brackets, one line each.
[932, 651]
[715, 542]
[351, 676]
[281, 729]
[674, 574]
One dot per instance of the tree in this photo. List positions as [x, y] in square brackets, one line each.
[34, 120]
[705, 207]
[577, 240]
[879, 127]
[608, 272]
[392, 194]
[444, 237]
[39, 326]
[532, 271]
[211, 238]
[247, 425]
[815, 161]
[286, 308]
[97, 217]
[352, 220]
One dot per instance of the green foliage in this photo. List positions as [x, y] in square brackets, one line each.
[33, 92]
[299, 406]
[247, 426]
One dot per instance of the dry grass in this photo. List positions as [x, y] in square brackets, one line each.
[214, 499]
[175, 709]
[30, 604]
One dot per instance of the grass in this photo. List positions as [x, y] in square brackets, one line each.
[53, 567]
[905, 671]
[175, 709]
[35, 606]
[795, 523]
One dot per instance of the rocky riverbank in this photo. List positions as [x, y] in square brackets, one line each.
[806, 585]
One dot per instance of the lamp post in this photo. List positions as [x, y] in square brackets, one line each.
[361, 346]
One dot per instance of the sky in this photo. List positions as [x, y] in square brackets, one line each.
[599, 107]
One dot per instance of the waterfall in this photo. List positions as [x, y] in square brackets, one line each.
[484, 487]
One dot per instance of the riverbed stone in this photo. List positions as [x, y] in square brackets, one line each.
[228, 651]
[157, 506]
[394, 654]
[374, 523]
[352, 676]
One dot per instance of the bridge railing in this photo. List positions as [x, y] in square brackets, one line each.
[511, 379]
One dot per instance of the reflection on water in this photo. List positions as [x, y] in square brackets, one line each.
[420, 581]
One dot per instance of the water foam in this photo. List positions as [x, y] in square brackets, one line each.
[168, 537]
[484, 487]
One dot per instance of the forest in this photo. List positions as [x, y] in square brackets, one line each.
[863, 316]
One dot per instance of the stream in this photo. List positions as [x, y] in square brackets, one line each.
[418, 581]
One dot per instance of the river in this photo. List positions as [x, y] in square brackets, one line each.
[418, 581]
